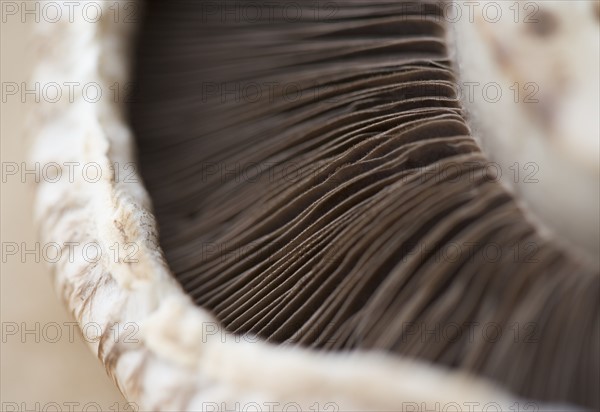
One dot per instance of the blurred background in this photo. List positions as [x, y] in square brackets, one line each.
[46, 364]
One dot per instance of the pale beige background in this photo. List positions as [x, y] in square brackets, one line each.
[65, 373]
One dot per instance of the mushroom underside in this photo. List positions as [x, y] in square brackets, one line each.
[316, 183]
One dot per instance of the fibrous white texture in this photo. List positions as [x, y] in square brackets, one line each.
[529, 72]
[179, 358]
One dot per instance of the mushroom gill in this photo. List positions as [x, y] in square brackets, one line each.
[316, 183]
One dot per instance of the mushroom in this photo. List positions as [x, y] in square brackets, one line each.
[331, 232]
